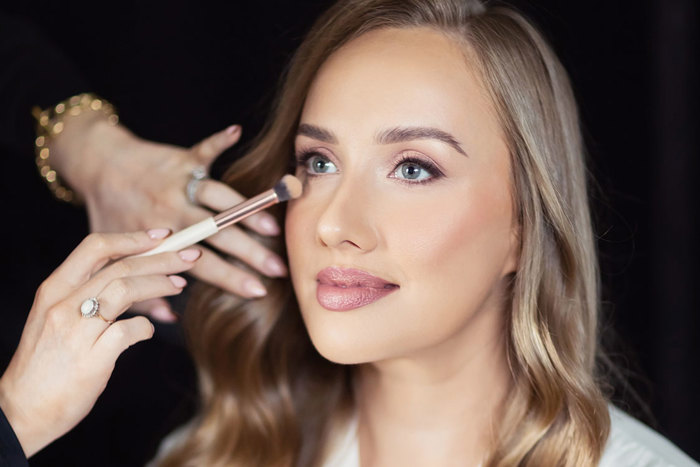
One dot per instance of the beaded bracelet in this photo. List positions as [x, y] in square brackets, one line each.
[50, 123]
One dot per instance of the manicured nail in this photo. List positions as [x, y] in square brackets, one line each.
[156, 234]
[233, 129]
[275, 267]
[178, 281]
[190, 255]
[163, 313]
[254, 288]
[269, 225]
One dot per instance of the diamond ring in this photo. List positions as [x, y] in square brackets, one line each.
[91, 308]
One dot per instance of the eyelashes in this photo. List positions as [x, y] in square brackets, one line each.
[409, 169]
[315, 163]
[414, 169]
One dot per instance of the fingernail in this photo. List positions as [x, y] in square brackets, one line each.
[275, 267]
[233, 129]
[162, 313]
[158, 233]
[190, 255]
[254, 288]
[269, 225]
[178, 281]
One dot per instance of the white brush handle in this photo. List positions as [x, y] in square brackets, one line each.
[186, 237]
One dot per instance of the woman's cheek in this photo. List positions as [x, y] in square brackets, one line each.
[425, 229]
[458, 236]
[295, 225]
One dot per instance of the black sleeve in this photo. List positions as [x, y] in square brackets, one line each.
[11, 453]
[32, 72]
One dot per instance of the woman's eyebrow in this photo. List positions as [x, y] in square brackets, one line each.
[388, 136]
[315, 132]
[399, 134]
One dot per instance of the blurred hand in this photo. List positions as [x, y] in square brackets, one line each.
[129, 183]
[64, 360]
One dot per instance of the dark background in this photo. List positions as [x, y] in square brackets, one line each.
[179, 70]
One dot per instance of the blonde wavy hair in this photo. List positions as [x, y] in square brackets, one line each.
[269, 399]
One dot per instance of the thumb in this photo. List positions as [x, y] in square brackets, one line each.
[211, 147]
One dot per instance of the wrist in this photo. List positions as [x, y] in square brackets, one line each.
[61, 134]
[79, 152]
[17, 420]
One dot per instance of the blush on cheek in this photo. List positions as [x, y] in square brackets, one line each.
[472, 225]
[295, 231]
[297, 224]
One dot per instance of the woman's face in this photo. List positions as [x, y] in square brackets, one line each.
[405, 231]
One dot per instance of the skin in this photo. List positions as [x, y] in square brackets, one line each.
[129, 183]
[432, 371]
[63, 360]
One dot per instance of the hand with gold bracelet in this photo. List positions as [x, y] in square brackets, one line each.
[128, 183]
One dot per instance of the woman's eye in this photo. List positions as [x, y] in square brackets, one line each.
[318, 164]
[412, 171]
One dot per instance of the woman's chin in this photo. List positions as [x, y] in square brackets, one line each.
[340, 348]
[346, 343]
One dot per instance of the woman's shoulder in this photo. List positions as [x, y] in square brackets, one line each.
[633, 444]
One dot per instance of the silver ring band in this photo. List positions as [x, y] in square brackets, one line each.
[196, 176]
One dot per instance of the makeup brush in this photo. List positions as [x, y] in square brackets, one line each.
[289, 187]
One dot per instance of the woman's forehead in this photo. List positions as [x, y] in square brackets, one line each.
[416, 77]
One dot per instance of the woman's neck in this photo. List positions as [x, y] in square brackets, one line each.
[438, 407]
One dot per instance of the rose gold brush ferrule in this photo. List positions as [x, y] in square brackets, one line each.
[246, 208]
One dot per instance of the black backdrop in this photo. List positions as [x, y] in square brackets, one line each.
[179, 70]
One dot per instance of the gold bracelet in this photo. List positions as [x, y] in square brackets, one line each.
[50, 123]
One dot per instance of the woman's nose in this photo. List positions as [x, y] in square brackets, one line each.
[347, 221]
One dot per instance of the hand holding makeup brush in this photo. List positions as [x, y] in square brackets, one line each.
[130, 183]
[75, 332]
[289, 187]
[37, 390]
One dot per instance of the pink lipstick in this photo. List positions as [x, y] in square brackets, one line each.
[341, 289]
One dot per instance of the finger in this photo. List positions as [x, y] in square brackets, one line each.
[119, 336]
[95, 251]
[240, 245]
[219, 197]
[161, 264]
[210, 148]
[214, 270]
[123, 292]
[164, 263]
[156, 308]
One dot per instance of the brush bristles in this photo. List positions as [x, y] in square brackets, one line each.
[289, 187]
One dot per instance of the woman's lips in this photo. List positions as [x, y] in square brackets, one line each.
[341, 289]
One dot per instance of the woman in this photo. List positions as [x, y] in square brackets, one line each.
[445, 282]
[445, 295]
